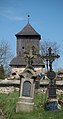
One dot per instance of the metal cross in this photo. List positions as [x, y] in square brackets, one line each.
[50, 57]
[28, 18]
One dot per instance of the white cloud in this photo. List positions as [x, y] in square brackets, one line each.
[16, 18]
[4, 10]
[9, 14]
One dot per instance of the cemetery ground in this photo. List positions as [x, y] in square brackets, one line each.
[8, 107]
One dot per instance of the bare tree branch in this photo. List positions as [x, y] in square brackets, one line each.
[5, 54]
[44, 45]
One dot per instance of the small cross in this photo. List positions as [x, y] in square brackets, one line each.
[28, 18]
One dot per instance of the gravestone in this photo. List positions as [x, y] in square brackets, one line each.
[52, 86]
[51, 91]
[52, 102]
[26, 100]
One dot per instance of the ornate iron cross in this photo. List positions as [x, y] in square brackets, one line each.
[50, 57]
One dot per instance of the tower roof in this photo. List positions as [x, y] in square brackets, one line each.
[28, 30]
[21, 61]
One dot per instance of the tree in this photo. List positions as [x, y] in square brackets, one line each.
[44, 46]
[5, 55]
[2, 74]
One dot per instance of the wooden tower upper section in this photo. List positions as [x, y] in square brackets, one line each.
[27, 38]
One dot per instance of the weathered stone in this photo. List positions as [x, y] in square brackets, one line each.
[25, 102]
[2, 114]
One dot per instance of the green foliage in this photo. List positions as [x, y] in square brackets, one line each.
[8, 105]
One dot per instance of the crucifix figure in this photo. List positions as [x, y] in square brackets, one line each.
[50, 57]
[29, 57]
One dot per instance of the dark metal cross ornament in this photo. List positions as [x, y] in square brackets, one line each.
[50, 57]
[28, 18]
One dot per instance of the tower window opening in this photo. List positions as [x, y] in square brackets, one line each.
[22, 47]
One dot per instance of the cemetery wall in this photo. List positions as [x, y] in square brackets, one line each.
[8, 90]
[19, 70]
[5, 88]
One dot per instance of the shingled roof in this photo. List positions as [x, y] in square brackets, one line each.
[28, 30]
[21, 61]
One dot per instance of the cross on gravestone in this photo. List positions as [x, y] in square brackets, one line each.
[29, 57]
[50, 57]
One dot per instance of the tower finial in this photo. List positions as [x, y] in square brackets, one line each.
[28, 18]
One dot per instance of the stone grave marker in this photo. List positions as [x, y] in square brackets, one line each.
[26, 100]
[52, 86]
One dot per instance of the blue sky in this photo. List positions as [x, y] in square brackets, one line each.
[46, 16]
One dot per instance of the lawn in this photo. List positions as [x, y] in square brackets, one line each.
[8, 105]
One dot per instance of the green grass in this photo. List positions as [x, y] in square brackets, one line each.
[8, 105]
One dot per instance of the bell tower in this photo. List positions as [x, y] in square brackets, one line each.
[27, 38]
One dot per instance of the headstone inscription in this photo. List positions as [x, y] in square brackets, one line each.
[51, 75]
[51, 91]
[26, 89]
[52, 87]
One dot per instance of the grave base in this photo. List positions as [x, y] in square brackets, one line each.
[25, 105]
[52, 105]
